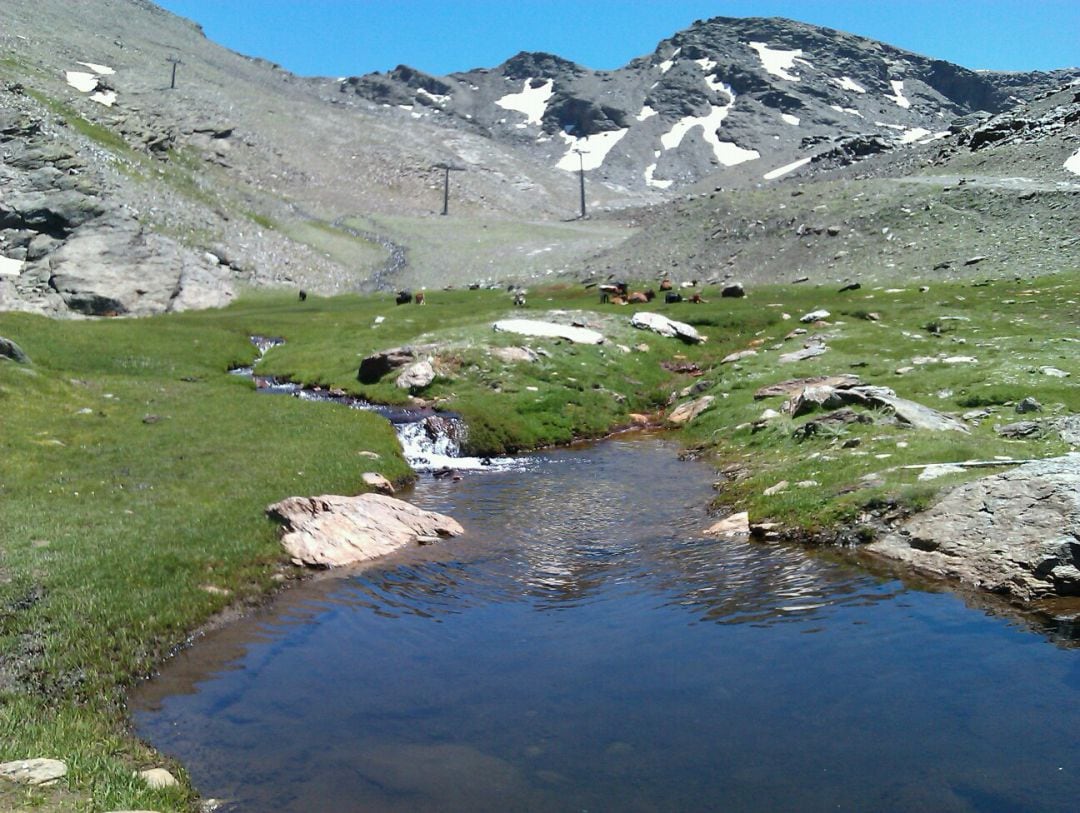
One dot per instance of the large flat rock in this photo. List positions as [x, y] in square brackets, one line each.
[1016, 533]
[331, 530]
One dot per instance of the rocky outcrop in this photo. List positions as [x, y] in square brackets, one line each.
[1016, 533]
[330, 531]
[67, 245]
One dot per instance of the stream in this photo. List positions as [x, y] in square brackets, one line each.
[585, 648]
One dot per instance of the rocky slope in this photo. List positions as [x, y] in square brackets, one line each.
[120, 194]
[995, 196]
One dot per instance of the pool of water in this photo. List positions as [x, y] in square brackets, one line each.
[585, 648]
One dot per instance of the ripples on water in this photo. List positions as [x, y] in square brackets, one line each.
[584, 647]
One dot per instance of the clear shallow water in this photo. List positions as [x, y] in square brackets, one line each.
[584, 648]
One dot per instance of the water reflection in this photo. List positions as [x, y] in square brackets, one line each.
[584, 647]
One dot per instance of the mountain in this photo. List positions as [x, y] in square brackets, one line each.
[740, 99]
[124, 192]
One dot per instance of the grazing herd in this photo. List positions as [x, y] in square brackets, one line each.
[611, 293]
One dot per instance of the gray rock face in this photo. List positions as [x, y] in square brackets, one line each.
[331, 531]
[1015, 533]
[113, 266]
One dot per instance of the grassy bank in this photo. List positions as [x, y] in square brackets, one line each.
[134, 471]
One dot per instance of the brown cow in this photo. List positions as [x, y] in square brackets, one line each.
[665, 284]
[419, 298]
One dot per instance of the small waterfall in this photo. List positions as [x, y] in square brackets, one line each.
[431, 441]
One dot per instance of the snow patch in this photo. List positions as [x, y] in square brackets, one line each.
[705, 64]
[100, 70]
[594, 149]
[12, 268]
[726, 153]
[851, 111]
[657, 182]
[646, 113]
[914, 134]
[105, 97]
[1072, 163]
[790, 119]
[898, 93]
[776, 61]
[784, 170]
[435, 97]
[531, 101]
[667, 64]
[847, 83]
[82, 81]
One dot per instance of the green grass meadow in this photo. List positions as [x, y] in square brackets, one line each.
[134, 470]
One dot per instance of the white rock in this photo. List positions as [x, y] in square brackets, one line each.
[776, 489]
[417, 375]
[158, 778]
[33, 771]
[659, 323]
[734, 525]
[685, 413]
[814, 316]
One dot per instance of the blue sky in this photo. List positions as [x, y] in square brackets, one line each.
[350, 37]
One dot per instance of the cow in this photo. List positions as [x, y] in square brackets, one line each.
[519, 299]
[638, 298]
[419, 298]
[665, 284]
[303, 295]
[671, 297]
[403, 298]
[697, 300]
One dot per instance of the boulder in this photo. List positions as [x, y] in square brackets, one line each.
[1028, 404]
[376, 482]
[33, 771]
[666, 327]
[330, 530]
[734, 525]
[158, 778]
[814, 316]
[375, 366]
[8, 349]
[113, 266]
[1013, 533]
[685, 413]
[551, 330]
[416, 376]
